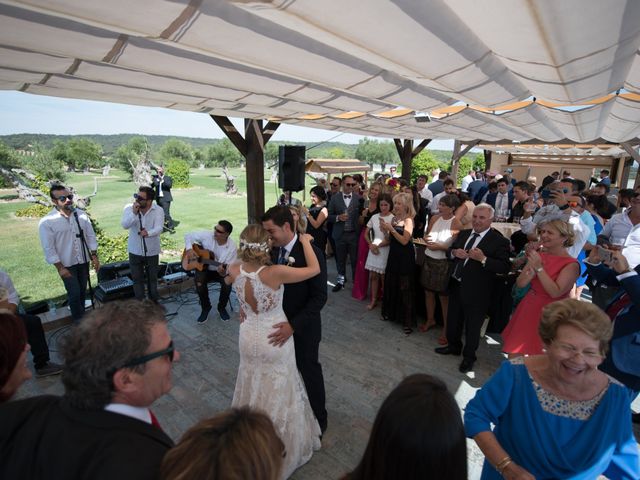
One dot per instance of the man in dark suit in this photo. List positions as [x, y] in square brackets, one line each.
[117, 363]
[438, 186]
[162, 185]
[302, 304]
[478, 254]
[502, 200]
[344, 212]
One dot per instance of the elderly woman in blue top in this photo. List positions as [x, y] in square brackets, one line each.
[556, 415]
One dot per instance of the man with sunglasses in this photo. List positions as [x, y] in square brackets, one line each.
[145, 222]
[63, 246]
[118, 362]
[344, 212]
[221, 249]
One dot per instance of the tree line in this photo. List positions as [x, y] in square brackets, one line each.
[51, 156]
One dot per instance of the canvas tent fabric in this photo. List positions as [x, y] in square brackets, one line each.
[513, 69]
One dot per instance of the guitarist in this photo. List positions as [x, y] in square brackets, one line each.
[222, 249]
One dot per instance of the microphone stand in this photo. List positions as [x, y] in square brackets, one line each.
[85, 249]
[145, 261]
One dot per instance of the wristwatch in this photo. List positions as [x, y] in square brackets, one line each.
[539, 269]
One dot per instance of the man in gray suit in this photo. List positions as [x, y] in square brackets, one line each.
[344, 211]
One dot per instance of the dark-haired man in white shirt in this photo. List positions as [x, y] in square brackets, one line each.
[63, 245]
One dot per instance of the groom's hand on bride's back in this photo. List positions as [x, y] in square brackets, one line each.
[282, 332]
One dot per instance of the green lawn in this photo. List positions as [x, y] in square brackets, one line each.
[196, 208]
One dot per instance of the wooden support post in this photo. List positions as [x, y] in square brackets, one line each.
[636, 156]
[458, 153]
[252, 149]
[407, 153]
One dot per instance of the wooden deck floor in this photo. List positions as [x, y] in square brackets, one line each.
[363, 359]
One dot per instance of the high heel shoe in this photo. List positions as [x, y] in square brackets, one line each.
[425, 327]
[443, 340]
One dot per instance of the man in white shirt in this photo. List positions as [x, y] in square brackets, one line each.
[623, 231]
[423, 189]
[221, 249]
[145, 221]
[63, 245]
[449, 188]
[118, 362]
[33, 325]
[466, 181]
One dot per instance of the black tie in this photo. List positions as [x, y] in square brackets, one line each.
[457, 271]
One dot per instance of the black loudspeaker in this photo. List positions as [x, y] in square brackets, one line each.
[291, 162]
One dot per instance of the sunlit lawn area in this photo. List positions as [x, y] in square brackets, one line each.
[196, 208]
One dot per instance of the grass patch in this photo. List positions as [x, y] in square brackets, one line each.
[196, 208]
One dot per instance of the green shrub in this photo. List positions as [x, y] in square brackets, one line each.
[113, 248]
[5, 182]
[33, 211]
[178, 170]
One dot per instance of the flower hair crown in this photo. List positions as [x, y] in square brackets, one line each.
[264, 246]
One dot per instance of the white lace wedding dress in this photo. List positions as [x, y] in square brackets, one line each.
[268, 378]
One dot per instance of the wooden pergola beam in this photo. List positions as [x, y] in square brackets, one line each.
[407, 153]
[252, 149]
[231, 132]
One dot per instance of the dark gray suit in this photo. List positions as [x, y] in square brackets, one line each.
[346, 233]
[164, 200]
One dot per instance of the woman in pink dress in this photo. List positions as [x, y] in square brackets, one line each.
[551, 275]
[361, 281]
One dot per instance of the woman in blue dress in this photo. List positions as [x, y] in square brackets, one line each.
[556, 415]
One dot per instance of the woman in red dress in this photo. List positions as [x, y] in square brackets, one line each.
[551, 274]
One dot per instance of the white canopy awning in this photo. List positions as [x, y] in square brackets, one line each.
[518, 69]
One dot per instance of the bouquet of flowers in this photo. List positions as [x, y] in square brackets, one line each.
[393, 183]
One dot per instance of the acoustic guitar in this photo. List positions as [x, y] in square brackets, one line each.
[198, 259]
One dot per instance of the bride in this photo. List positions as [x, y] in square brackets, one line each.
[268, 379]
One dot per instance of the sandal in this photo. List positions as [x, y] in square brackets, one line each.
[371, 306]
[443, 340]
[425, 327]
[407, 330]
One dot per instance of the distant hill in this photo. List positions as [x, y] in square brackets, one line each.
[110, 143]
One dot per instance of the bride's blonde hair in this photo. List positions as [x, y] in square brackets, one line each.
[254, 245]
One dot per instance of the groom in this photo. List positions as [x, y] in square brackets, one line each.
[302, 304]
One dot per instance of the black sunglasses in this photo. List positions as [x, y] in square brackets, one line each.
[221, 232]
[138, 197]
[169, 351]
[350, 184]
[63, 198]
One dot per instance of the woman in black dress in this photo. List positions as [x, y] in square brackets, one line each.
[397, 303]
[317, 217]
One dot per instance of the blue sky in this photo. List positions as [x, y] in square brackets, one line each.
[27, 113]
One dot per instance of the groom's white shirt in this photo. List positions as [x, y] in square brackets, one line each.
[289, 246]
